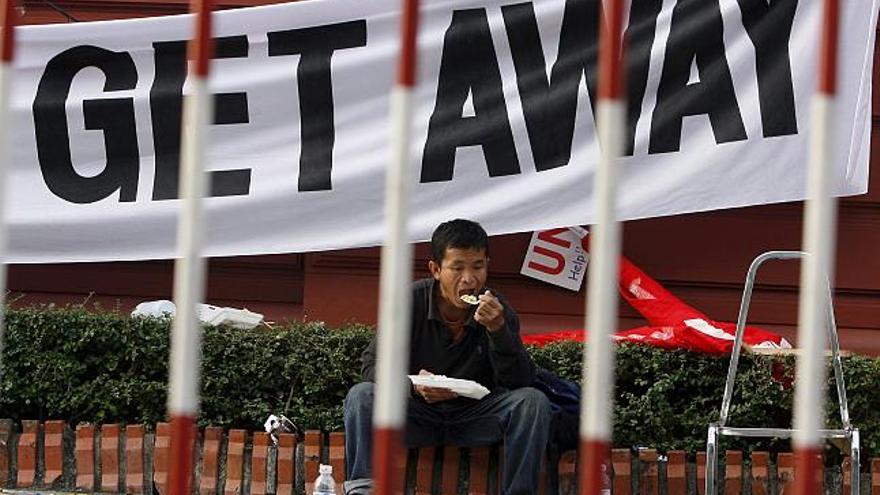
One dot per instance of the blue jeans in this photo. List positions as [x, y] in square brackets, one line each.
[520, 418]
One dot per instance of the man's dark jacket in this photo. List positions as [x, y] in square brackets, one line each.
[493, 359]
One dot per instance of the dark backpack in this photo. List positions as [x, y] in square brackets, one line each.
[565, 404]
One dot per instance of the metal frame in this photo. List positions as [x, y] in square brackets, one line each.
[720, 428]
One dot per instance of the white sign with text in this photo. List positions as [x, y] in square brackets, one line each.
[558, 257]
[503, 125]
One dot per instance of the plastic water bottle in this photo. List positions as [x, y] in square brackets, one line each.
[606, 480]
[325, 484]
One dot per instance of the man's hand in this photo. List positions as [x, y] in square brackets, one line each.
[490, 312]
[433, 394]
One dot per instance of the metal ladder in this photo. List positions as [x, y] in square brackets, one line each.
[720, 428]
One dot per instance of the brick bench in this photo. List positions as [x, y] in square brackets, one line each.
[116, 459]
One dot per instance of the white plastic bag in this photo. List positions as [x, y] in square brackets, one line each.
[206, 313]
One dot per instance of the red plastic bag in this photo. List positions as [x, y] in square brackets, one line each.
[672, 323]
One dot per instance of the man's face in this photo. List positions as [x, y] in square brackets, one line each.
[462, 271]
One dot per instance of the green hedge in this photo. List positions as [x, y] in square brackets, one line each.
[78, 365]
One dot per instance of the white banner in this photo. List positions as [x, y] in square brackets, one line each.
[503, 124]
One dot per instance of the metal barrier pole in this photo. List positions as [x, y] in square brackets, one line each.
[7, 55]
[819, 238]
[601, 312]
[737, 344]
[189, 268]
[741, 320]
[855, 454]
[389, 415]
[712, 461]
[836, 362]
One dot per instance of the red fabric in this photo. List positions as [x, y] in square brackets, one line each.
[672, 323]
[650, 299]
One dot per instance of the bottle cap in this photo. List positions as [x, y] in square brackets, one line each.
[325, 469]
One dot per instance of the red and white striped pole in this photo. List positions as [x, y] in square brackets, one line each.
[189, 268]
[601, 317]
[819, 238]
[7, 54]
[389, 411]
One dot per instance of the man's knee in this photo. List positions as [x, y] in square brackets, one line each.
[531, 402]
[359, 398]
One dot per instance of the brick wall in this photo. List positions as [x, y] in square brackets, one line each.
[129, 459]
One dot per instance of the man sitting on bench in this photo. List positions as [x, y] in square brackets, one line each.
[458, 339]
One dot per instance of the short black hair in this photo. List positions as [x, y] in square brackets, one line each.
[460, 234]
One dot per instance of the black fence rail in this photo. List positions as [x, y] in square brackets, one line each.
[112, 458]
